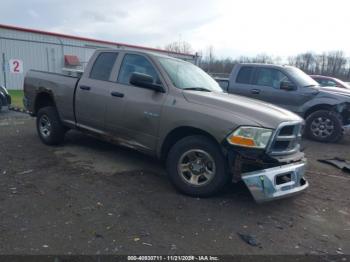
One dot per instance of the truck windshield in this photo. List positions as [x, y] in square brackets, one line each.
[300, 77]
[185, 75]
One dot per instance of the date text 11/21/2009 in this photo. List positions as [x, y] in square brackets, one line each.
[173, 258]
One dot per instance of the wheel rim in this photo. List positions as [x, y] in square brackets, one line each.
[196, 167]
[45, 126]
[322, 127]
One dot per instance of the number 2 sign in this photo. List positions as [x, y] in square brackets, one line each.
[16, 66]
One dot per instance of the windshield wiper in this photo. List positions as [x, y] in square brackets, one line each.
[198, 89]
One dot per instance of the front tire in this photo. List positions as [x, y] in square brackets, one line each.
[49, 126]
[324, 126]
[197, 167]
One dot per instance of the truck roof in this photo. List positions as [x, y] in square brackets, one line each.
[138, 51]
[264, 65]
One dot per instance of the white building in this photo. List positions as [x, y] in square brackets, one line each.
[22, 49]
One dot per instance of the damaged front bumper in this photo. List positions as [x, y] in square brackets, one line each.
[276, 182]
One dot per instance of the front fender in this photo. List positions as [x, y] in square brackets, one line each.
[325, 99]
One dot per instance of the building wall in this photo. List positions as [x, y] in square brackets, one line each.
[45, 52]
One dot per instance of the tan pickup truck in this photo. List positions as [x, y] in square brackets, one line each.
[173, 110]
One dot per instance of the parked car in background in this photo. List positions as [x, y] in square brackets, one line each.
[330, 81]
[5, 98]
[326, 111]
[223, 83]
[173, 110]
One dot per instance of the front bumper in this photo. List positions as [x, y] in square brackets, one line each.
[276, 182]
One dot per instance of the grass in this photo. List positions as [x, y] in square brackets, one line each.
[16, 96]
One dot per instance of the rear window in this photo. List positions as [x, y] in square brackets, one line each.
[103, 65]
[244, 75]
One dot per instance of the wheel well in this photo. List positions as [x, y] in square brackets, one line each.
[179, 133]
[317, 108]
[42, 100]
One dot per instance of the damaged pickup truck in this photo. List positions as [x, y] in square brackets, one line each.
[173, 110]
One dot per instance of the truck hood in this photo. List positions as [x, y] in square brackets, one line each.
[263, 114]
[335, 91]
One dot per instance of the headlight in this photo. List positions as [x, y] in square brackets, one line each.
[249, 136]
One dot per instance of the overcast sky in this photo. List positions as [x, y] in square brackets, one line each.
[233, 28]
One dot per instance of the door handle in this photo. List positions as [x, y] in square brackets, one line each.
[117, 94]
[255, 91]
[87, 88]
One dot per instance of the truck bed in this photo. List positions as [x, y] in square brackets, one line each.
[61, 87]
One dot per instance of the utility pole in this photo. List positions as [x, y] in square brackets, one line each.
[4, 68]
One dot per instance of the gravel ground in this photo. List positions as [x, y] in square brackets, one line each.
[90, 197]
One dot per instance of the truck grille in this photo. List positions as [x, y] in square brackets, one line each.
[286, 139]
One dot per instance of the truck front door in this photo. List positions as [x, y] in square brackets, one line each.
[139, 123]
[267, 83]
[264, 83]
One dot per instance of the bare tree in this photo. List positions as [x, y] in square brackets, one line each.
[260, 58]
[179, 47]
[263, 58]
[210, 57]
[333, 63]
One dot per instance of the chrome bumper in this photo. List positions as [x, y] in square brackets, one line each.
[268, 184]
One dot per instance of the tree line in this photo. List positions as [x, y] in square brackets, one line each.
[332, 63]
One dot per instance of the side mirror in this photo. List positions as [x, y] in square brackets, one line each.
[224, 84]
[145, 81]
[288, 86]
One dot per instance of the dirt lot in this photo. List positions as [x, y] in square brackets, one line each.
[90, 197]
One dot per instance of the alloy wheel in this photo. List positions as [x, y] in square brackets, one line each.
[196, 167]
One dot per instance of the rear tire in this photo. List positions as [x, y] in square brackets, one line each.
[197, 167]
[49, 126]
[324, 126]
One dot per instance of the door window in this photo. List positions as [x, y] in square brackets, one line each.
[136, 64]
[270, 77]
[244, 75]
[103, 65]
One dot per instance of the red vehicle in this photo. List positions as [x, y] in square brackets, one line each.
[330, 81]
